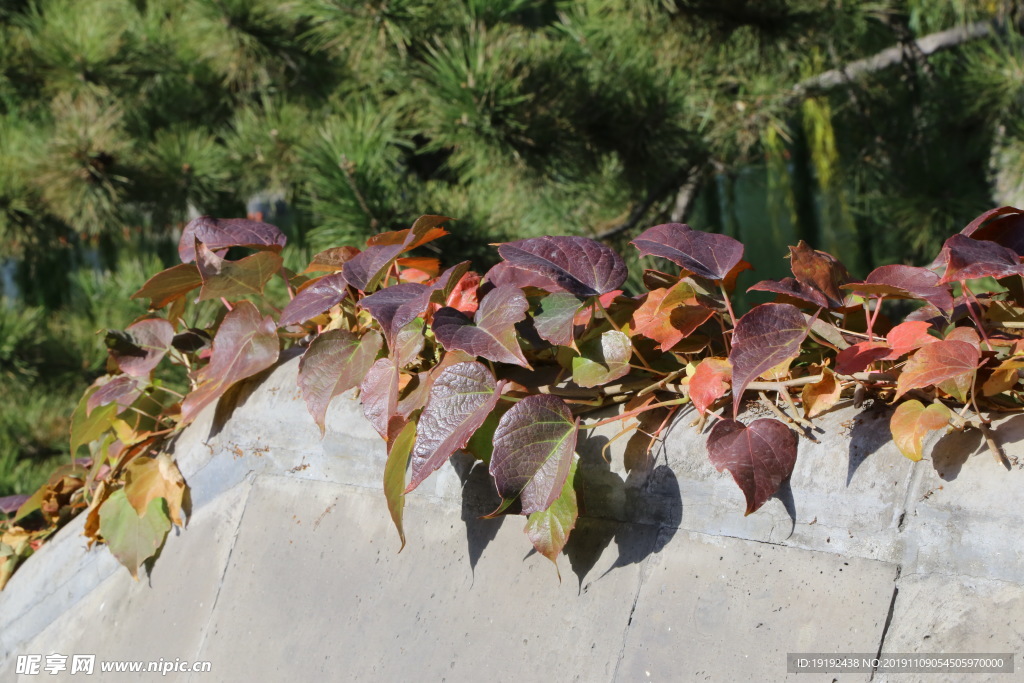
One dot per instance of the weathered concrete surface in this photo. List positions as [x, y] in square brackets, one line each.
[288, 567]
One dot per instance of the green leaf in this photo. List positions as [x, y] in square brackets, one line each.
[602, 359]
[549, 529]
[86, 427]
[132, 538]
[394, 475]
[554, 318]
[223, 278]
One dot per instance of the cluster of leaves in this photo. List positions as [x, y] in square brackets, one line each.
[503, 365]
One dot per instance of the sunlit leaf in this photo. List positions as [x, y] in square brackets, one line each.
[912, 421]
[767, 335]
[245, 344]
[759, 456]
[460, 400]
[549, 529]
[133, 538]
[858, 357]
[169, 285]
[938, 363]
[1004, 226]
[86, 425]
[553, 319]
[908, 336]
[669, 315]
[967, 259]
[602, 359]
[710, 382]
[150, 478]
[379, 395]
[822, 395]
[425, 229]
[705, 254]
[151, 339]
[820, 271]
[793, 288]
[231, 279]
[313, 300]
[222, 233]
[335, 362]
[905, 282]
[122, 390]
[577, 264]
[533, 449]
[492, 333]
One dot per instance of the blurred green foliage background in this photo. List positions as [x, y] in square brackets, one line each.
[335, 119]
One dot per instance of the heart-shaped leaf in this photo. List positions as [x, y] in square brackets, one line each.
[602, 359]
[335, 362]
[768, 335]
[907, 337]
[707, 255]
[231, 279]
[222, 233]
[133, 538]
[365, 270]
[245, 344]
[533, 449]
[460, 399]
[938, 363]
[759, 456]
[577, 264]
[968, 258]
[396, 306]
[314, 299]
[911, 421]
[549, 529]
[169, 285]
[149, 478]
[492, 333]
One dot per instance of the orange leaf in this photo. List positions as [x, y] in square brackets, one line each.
[669, 315]
[951, 363]
[912, 421]
[710, 382]
[822, 395]
[907, 337]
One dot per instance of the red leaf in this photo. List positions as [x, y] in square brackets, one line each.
[766, 336]
[968, 258]
[460, 399]
[710, 382]
[905, 282]
[335, 362]
[908, 336]
[493, 336]
[222, 233]
[859, 356]
[939, 362]
[379, 395]
[577, 264]
[245, 344]
[314, 299]
[820, 271]
[759, 456]
[533, 449]
[669, 315]
[791, 287]
[152, 337]
[707, 255]
[1004, 226]
[463, 296]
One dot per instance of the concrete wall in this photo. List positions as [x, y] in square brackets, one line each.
[288, 568]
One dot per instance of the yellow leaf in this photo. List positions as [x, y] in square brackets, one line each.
[822, 395]
[912, 421]
[151, 478]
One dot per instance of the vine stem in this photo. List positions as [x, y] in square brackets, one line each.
[974, 314]
[632, 413]
[728, 303]
[226, 304]
[287, 283]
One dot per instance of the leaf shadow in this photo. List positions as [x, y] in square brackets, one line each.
[870, 431]
[784, 494]
[479, 498]
[952, 450]
[239, 392]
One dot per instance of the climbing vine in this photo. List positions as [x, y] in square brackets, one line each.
[504, 364]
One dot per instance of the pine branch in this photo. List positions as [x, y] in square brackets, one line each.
[684, 184]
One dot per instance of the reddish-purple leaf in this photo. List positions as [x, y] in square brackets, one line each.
[669, 315]
[533, 449]
[493, 336]
[948, 360]
[228, 232]
[554, 318]
[765, 337]
[705, 254]
[332, 259]
[245, 344]
[231, 279]
[318, 297]
[759, 456]
[446, 283]
[151, 339]
[820, 271]
[365, 269]
[460, 399]
[858, 357]
[170, 284]
[396, 306]
[504, 273]
[968, 258]
[577, 264]
[379, 395]
[335, 362]
[122, 389]
[905, 282]
[793, 288]
[1004, 226]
